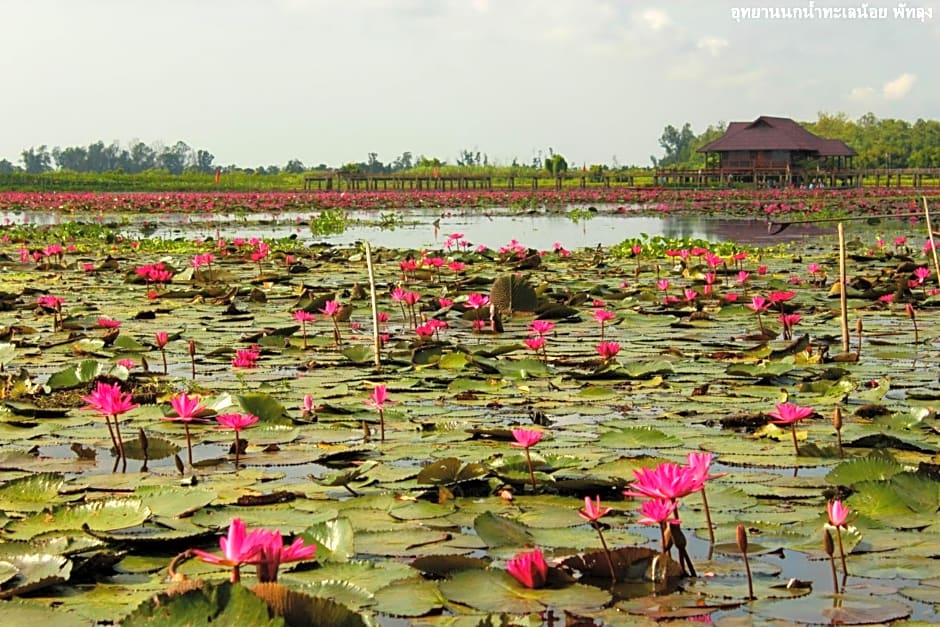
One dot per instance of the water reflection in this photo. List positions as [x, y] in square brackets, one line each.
[417, 229]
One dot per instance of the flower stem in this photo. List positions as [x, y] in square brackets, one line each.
[845, 572]
[189, 444]
[796, 446]
[528, 460]
[610, 561]
[120, 444]
[708, 517]
[238, 449]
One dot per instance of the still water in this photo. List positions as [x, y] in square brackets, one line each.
[418, 229]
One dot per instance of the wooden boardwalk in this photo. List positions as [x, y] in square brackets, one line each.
[331, 181]
[663, 177]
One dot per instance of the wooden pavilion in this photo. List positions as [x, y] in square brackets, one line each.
[772, 150]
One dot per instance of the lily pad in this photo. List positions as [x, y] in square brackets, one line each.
[497, 591]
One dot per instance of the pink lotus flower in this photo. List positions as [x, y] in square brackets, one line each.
[109, 400]
[662, 284]
[743, 276]
[781, 297]
[127, 363]
[608, 350]
[236, 422]
[444, 303]
[238, 547]
[759, 304]
[108, 323]
[921, 273]
[529, 569]
[541, 327]
[789, 413]
[304, 316]
[658, 512]
[273, 553]
[187, 408]
[246, 357]
[526, 438]
[690, 295]
[330, 308]
[603, 315]
[761, 270]
[307, 406]
[535, 343]
[667, 481]
[592, 510]
[838, 513]
[699, 464]
[476, 301]
[161, 338]
[378, 398]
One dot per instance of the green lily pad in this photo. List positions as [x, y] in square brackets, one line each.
[638, 438]
[333, 538]
[832, 609]
[222, 603]
[101, 515]
[24, 613]
[497, 531]
[31, 493]
[34, 572]
[409, 598]
[498, 591]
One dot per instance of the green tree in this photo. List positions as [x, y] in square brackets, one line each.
[74, 158]
[295, 166]
[6, 167]
[556, 164]
[36, 160]
[677, 145]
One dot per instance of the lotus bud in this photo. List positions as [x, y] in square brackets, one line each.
[909, 309]
[144, 442]
[837, 418]
[828, 545]
[742, 539]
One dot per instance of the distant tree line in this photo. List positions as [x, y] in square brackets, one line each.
[880, 143]
[178, 158]
[137, 157]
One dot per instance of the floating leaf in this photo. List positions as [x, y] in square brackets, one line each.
[224, 604]
[497, 531]
[638, 438]
[334, 539]
[101, 515]
[497, 591]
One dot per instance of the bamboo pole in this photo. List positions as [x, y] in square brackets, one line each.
[376, 339]
[933, 248]
[843, 304]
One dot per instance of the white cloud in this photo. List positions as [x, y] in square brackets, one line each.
[898, 88]
[861, 93]
[713, 45]
[655, 19]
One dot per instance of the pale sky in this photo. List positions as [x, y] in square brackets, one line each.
[259, 82]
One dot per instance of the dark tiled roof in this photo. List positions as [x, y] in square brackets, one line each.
[772, 133]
